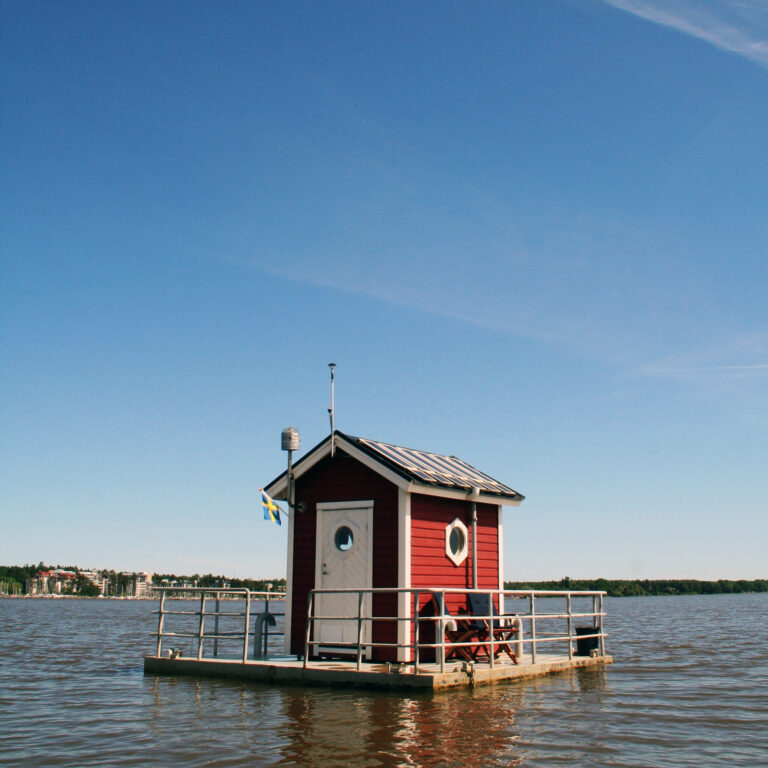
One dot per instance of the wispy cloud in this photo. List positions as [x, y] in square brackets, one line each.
[742, 358]
[704, 369]
[410, 296]
[738, 26]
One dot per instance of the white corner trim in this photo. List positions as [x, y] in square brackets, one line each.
[289, 588]
[500, 529]
[404, 599]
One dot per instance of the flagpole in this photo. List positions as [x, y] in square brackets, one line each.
[288, 488]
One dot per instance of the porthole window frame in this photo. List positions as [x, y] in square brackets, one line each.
[339, 529]
[457, 558]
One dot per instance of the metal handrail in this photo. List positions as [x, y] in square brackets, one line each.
[363, 617]
[217, 593]
[597, 615]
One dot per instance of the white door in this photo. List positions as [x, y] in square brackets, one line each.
[343, 561]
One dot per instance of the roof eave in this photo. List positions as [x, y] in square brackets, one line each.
[277, 488]
[453, 492]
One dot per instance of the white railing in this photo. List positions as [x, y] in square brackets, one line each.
[260, 631]
[537, 623]
[531, 629]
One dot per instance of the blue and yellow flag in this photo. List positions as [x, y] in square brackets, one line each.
[271, 510]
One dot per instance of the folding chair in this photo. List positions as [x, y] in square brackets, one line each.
[483, 609]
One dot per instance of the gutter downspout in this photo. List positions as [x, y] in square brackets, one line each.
[474, 494]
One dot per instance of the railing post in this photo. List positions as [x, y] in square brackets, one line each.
[441, 628]
[160, 625]
[202, 622]
[216, 628]
[533, 628]
[492, 639]
[310, 618]
[360, 596]
[570, 627]
[602, 636]
[247, 624]
[595, 625]
[266, 627]
[416, 601]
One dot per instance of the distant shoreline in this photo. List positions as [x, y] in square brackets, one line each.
[75, 597]
[612, 587]
[115, 597]
[647, 587]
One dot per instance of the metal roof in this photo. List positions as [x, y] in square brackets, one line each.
[432, 468]
[422, 468]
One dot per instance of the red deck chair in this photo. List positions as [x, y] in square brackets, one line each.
[481, 606]
[459, 629]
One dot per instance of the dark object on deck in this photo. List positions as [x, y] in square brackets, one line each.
[502, 628]
[458, 629]
[585, 645]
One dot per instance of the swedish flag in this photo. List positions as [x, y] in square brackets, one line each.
[271, 510]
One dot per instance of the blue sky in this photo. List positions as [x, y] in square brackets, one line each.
[531, 234]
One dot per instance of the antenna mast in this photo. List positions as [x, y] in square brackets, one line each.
[330, 411]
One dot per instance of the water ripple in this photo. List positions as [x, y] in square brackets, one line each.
[688, 688]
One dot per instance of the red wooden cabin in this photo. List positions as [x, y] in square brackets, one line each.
[370, 514]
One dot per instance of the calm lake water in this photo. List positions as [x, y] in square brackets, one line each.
[689, 687]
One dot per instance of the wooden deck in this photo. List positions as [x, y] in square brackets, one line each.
[290, 671]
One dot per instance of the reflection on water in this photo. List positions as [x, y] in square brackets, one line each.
[371, 729]
[72, 693]
[594, 679]
[319, 727]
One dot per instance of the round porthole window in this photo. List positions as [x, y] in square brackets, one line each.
[456, 541]
[344, 539]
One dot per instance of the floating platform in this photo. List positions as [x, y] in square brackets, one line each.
[291, 671]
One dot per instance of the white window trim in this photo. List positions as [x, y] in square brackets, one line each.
[461, 555]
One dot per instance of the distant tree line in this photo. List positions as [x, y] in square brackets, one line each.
[211, 580]
[15, 576]
[18, 574]
[639, 587]
[13, 579]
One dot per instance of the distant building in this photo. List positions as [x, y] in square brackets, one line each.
[142, 585]
[50, 582]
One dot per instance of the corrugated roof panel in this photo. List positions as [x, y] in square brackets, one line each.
[435, 469]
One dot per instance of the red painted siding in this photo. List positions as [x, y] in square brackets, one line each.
[431, 567]
[343, 478]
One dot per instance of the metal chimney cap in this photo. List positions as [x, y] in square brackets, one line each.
[290, 439]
